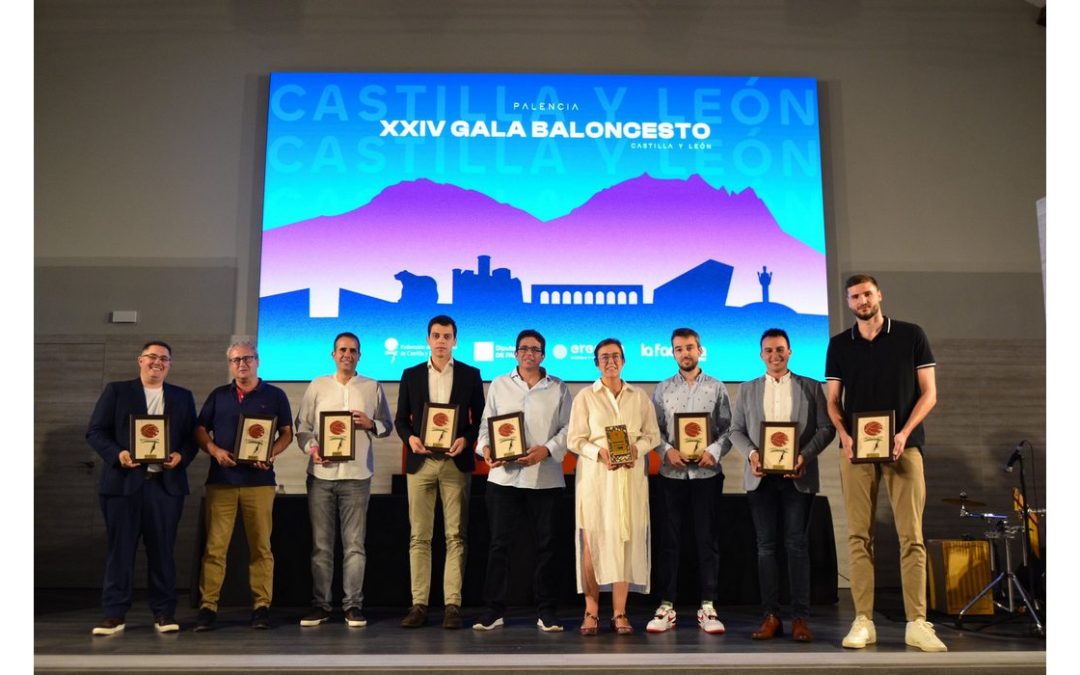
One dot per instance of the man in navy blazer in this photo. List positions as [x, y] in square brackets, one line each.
[440, 379]
[781, 396]
[142, 500]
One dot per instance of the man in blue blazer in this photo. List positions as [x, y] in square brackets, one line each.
[441, 379]
[142, 500]
[781, 396]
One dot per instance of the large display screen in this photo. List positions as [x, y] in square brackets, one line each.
[584, 206]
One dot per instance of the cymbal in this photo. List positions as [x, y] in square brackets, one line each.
[955, 501]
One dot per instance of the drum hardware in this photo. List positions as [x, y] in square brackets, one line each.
[1006, 579]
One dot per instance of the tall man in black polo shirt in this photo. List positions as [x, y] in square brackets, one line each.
[883, 364]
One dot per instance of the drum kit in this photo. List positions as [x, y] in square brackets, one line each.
[1006, 582]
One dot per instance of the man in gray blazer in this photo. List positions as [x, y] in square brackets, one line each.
[781, 396]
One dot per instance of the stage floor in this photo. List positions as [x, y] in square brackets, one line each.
[63, 619]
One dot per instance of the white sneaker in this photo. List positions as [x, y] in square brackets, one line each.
[862, 633]
[920, 633]
[706, 618]
[662, 620]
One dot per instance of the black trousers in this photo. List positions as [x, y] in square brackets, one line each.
[690, 499]
[508, 508]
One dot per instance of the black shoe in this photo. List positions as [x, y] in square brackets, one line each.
[316, 616]
[355, 618]
[451, 617]
[548, 622]
[489, 621]
[164, 623]
[110, 625]
[260, 618]
[416, 617]
[205, 619]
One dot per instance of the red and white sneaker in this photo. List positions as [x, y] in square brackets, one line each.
[706, 618]
[663, 620]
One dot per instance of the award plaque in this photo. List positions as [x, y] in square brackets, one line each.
[506, 435]
[149, 442]
[873, 433]
[692, 435]
[337, 442]
[254, 437]
[779, 447]
[438, 426]
[618, 445]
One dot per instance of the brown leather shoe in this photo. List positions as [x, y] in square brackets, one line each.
[416, 617]
[800, 632]
[452, 617]
[770, 628]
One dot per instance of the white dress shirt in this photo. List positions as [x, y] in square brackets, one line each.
[440, 384]
[546, 406]
[777, 398]
[327, 394]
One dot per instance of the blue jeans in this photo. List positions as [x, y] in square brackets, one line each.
[327, 501]
[775, 501]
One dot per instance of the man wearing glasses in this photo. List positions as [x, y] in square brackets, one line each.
[142, 500]
[527, 489]
[232, 486]
[690, 488]
[440, 379]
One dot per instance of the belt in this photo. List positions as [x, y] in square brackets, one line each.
[153, 475]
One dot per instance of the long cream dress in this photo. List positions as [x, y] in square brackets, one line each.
[612, 507]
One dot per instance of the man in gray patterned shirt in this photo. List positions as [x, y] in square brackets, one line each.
[690, 487]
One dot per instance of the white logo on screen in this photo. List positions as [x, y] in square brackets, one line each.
[483, 351]
[559, 351]
[391, 346]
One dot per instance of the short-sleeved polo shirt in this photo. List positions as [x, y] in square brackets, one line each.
[881, 374]
[220, 415]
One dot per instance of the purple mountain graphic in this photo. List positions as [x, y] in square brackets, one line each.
[641, 231]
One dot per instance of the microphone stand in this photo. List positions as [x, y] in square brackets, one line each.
[1033, 605]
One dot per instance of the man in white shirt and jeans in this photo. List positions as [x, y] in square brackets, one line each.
[340, 489]
[529, 488]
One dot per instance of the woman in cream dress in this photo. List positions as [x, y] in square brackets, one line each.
[612, 501]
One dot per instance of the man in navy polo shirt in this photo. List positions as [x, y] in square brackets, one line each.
[883, 364]
[231, 485]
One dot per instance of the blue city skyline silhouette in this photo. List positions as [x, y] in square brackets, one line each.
[490, 308]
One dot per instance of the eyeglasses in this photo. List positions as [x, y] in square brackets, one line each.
[154, 358]
[529, 350]
[242, 359]
[610, 358]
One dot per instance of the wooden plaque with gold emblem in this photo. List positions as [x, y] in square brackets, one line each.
[692, 435]
[149, 439]
[872, 433]
[337, 437]
[254, 438]
[618, 445]
[779, 447]
[438, 426]
[506, 436]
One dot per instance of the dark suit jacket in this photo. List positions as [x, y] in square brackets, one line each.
[109, 433]
[467, 391]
